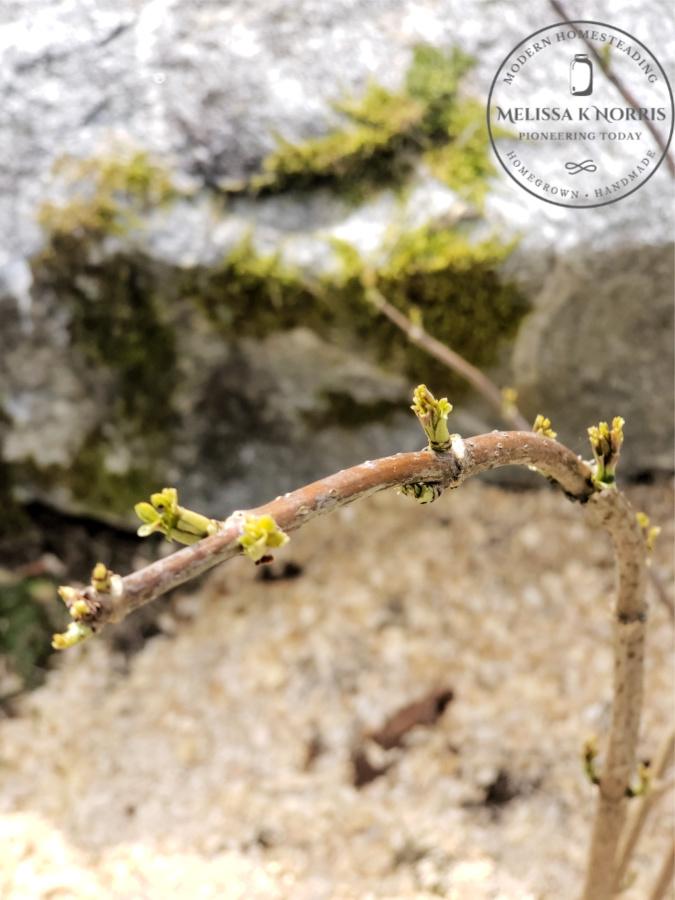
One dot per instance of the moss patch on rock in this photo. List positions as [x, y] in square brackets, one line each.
[107, 195]
[124, 308]
[385, 133]
[91, 482]
[249, 294]
[113, 299]
[375, 148]
[28, 617]
[454, 284]
[117, 319]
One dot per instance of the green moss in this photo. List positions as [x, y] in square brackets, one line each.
[116, 319]
[455, 284]
[340, 408]
[433, 79]
[373, 150]
[107, 195]
[386, 132]
[88, 479]
[251, 294]
[114, 493]
[28, 616]
[464, 163]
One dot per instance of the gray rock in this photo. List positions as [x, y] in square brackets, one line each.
[205, 87]
[265, 407]
[600, 344]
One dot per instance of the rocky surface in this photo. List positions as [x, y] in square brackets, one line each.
[601, 339]
[205, 88]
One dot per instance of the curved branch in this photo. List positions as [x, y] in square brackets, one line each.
[609, 509]
[295, 509]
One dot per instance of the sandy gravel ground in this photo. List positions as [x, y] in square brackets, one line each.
[218, 761]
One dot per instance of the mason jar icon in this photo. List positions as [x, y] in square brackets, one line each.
[581, 76]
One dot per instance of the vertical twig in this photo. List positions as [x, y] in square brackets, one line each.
[613, 511]
[636, 822]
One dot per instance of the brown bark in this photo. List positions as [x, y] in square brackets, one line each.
[609, 509]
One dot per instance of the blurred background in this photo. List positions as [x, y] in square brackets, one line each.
[193, 198]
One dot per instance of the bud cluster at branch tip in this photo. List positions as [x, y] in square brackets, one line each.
[606, 446]
[163, 514]
[542, 426]
[80, 607]
[433, 417]
[77, 630]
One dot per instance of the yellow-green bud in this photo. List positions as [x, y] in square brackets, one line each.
[177, 523]
[433, 417]
[100, 578]
[542, 426]
[650, 532]
[74, 634]
[260, 534]
[606, 445]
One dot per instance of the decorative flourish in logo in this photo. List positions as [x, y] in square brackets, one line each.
[586, 165]
[581, 76]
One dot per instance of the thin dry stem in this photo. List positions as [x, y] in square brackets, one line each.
[421, 338]
[636, 822]
[485, 386]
